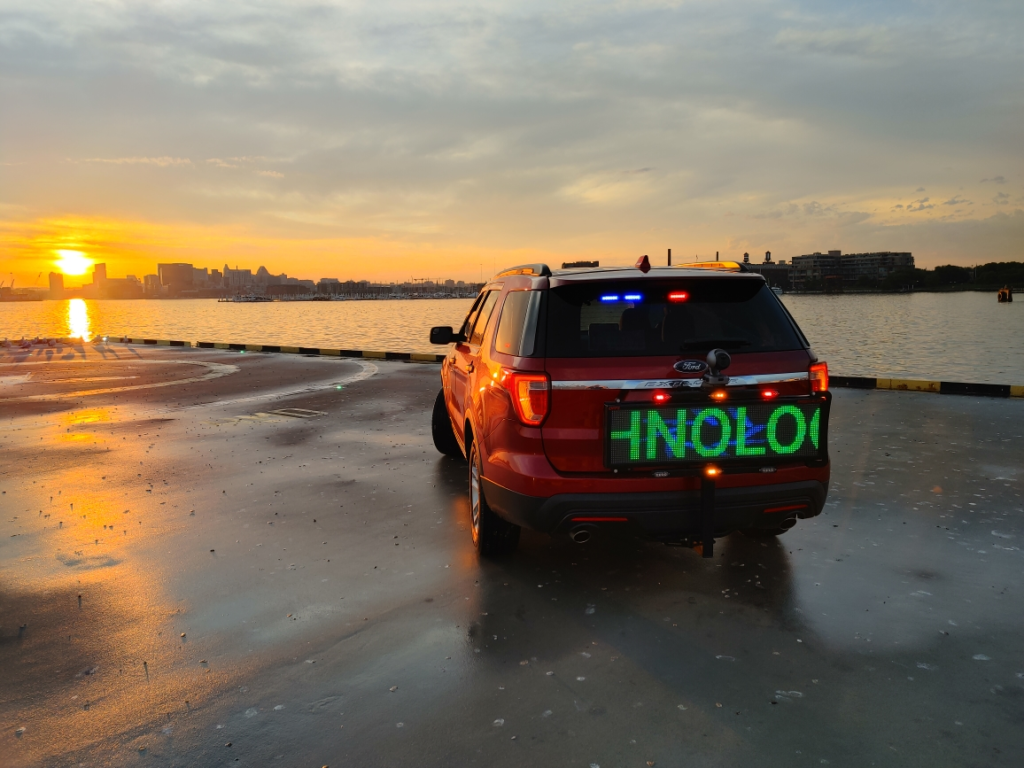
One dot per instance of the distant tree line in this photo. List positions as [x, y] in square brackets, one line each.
[991, 276]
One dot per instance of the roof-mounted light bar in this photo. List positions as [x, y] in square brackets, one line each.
[540, 270]
[721, 266]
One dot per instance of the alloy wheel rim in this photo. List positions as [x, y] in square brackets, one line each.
[474, 494]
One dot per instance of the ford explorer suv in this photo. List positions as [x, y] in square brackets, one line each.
[679, 403]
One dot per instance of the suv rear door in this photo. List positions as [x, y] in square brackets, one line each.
[610, 338]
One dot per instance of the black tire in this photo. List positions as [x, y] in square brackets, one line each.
[492, 536]
[441, 429]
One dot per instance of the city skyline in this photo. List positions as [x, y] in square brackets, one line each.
[182, 279]
[386, 139]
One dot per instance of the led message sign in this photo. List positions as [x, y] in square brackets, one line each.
[670, 434]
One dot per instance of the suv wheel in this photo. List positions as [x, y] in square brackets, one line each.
[441, 429]
[491, 535]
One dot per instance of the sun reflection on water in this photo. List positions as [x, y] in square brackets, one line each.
[78, 320]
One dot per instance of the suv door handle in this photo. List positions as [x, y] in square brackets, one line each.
[469, 367]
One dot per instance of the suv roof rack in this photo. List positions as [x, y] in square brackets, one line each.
[541, 270]
[721, 266]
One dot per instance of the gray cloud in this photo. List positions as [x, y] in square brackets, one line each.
[994, 180]
[162, 162]
[508, 127]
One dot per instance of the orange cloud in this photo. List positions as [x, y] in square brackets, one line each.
[135, 247]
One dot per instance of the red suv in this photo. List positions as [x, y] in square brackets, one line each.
[681, 402]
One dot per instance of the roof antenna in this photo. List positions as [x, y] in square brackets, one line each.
[716, 255]
[643, 264]
[670, 257]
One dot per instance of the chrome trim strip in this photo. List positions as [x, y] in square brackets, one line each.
[767, 378]
[736, 381]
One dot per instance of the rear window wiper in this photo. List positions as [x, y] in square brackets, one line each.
[711, 343]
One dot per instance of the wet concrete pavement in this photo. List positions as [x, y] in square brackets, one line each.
[192, 574]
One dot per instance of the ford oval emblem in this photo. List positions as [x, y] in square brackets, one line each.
[691, 366]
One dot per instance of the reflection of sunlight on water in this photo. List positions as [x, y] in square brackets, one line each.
[76, 425]
[78, 320]
[86, 416]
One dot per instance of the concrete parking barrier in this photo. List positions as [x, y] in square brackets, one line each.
[841, 382]
[409, 357]
[920, 385]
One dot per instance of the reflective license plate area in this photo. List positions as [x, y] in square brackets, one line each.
[725, 434]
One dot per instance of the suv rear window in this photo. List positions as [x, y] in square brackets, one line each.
[632, 318]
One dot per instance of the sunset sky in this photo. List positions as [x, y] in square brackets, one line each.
[430, 138]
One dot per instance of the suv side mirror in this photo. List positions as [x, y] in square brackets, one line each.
[442, 334]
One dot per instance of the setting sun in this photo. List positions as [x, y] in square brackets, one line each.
[73, 262]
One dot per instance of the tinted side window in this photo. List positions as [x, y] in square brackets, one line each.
[482, 317]
[467, 324]
[512, 336]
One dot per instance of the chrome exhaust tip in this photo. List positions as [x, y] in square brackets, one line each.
[581, 534]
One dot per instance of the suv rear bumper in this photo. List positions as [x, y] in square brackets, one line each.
[668, 515]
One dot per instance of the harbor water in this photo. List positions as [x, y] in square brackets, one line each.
[949, 336]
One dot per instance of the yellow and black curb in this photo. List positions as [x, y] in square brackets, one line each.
[365, 354]
[842, 382]
[921, 385]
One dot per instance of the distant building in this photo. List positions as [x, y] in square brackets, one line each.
[235, 279]
[103, 287]
[835, 270]
[151, 285]
[286, 290]
[56, 285]
[777, 273]
[175, 278]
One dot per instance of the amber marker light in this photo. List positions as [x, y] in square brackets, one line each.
[719, 395]
[712, 471]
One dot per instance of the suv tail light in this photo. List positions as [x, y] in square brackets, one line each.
[819, 377]
[531, 395]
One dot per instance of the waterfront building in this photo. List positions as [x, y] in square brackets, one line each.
[175, 278]
[237, 278]
[103, 287]
[200, 277]
[835, 270]
[56, 285]
[775, 272]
